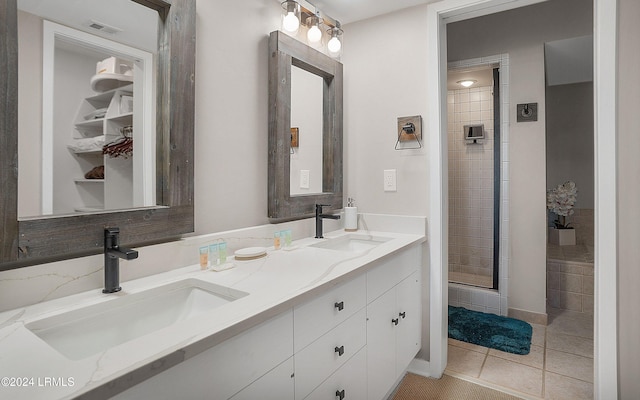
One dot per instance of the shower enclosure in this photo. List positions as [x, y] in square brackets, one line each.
[474, 176]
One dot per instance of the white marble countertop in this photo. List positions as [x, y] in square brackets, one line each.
[31, 369]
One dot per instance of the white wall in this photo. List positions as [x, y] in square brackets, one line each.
[385, 78]
[231, 112]
[628, 200]
[521, 33]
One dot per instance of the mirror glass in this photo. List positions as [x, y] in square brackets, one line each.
[86, 91]
[306, 131]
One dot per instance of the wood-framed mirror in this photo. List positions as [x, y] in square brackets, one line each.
[286, 52]
[29, 241]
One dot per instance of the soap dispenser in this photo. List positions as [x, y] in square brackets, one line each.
[350, 216]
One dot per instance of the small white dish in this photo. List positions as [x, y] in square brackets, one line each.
[250, 253]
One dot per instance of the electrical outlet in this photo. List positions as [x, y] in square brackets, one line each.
[304, 179]
[390, 180]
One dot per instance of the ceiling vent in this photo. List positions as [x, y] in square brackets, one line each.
[102, 27]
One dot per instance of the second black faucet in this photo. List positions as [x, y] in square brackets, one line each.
[320, 216]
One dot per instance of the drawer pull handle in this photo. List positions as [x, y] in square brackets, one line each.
[395, 321]
[340, 394]
[339, 306]
[339, 350]
[403, 314]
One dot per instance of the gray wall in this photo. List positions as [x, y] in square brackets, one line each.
[570, 138]
[628, 200]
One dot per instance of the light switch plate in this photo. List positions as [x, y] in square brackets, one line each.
[390, 180]
[304, 179]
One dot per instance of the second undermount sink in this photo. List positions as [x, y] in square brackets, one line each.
[86, 331]
[355, 243]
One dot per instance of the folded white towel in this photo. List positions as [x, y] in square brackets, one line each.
[87, 144]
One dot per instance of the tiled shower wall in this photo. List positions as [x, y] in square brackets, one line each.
[471, 185]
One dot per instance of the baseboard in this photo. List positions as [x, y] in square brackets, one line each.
[528, 316]
[420, 367]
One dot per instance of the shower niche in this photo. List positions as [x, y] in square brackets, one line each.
[473, 132]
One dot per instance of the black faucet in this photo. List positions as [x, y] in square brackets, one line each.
[112, 255]
[320, 216]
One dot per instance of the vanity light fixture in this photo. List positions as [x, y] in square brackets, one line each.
[314, 34]
[467, 82]
[303, 12]
[290, 16]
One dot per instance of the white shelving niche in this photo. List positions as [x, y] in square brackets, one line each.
[103, 114]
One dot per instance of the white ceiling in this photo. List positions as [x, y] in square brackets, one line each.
[139, 24]
[347, 11]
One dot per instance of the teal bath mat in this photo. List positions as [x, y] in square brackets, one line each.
[490, 330]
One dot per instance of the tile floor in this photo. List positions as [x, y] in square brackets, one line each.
[559, 366]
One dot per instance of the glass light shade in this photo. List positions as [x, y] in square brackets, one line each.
[314, 34]
[334, 45]
[291, 16]
[290, 22]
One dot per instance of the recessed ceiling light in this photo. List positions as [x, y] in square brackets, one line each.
[467, 82]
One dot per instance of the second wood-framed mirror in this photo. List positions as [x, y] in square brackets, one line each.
[286, 53]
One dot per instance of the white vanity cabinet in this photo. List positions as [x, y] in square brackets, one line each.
[350, 342]
[393, 321]
[224, 370]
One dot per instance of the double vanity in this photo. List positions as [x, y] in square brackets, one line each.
[329, 318]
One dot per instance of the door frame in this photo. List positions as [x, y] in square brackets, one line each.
[605, 132]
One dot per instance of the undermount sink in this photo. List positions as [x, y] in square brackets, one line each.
[355, 243]
[90, 330]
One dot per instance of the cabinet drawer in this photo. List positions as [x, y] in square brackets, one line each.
[350, 381]
[392, 271]
[323, 313]
[324, 356]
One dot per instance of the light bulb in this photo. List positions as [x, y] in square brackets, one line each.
[314, 34]
[291, 23]
[334, 45]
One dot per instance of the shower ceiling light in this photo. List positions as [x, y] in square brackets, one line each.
[466, 82]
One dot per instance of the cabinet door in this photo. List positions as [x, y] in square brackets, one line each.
[381, 345]
[409, 331]
[348, 383]
[389, 272]
[276, 384]
[223, 370]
